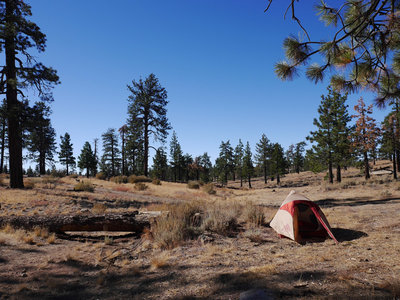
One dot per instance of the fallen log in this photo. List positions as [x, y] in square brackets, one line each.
[123, 222]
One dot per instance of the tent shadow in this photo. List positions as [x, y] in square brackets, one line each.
[345, 235]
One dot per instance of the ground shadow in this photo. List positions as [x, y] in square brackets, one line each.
[344, 235]
[356, 201]
[98, 238]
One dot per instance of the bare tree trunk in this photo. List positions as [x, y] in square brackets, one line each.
[249, 181]
[13, 107]
[338, 174]
[366, 164]
[146, 143]
[3, 144]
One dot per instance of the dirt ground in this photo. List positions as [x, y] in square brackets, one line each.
[365, 264]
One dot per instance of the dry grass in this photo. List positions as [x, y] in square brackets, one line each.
[203, 261]
[84, 186]
[139, 186]
[138, 179]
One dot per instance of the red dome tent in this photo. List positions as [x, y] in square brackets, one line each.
[300, 219]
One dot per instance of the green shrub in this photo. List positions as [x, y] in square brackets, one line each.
[137, 179]
[101, 176]
[209, 189]
[140, 186]
[119, 179]
[193, 185]
[156, 182]
[84, 187]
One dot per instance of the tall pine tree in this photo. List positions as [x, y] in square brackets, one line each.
[22, 71]
[41, 142]
[331, 137]
[248, 168]
[263, 155]
[366, 133]
[111, 154]
[147, 111]
[87, 159]
[66, 154]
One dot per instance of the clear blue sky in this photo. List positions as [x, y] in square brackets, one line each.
[215, 58]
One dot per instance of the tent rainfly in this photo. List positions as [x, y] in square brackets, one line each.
[300, 219]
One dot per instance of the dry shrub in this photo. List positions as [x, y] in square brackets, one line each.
[99, 208]
[84, 187]
[8, 229]
[193, 185]
[222, 218]
[139, 186]
[160, 261]
[29, 184]
[119, 179]
[254, 214]
[137, 179]
[175, 226]
[41, 232]
[209, 188]
[73, 176]
[49, 182]
[101, 176]
[156, 181]
[108, 240]
[51, 239]
[2, 183]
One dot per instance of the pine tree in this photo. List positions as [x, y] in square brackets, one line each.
[111, 154]
[160, 164]
[263, 155]
[365, 40]
[238, 158]
[206, 165]
[224, 163]
[187, 161]
[147, 111]
[331, 136]
[42, 138]
[365, 134]
[290, 158]
[21, 70]
[87, 159]
[176, 155]
[66, 154]
[278, 161]
[299, 159]
[248, 168]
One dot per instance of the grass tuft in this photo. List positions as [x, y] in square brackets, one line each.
[84, 187]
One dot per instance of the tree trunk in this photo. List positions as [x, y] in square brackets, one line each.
[3, 144]
[123, 153]
[13, 109]
[394, 166]
[330, 168]
[338, 174]
[394, 153]
[67, 170]
[265, 174]
[249, 182]
[278, 179]
[42, 164]
[112, 157]
[124, 222]
[366, 164]
[87, 172]
[146, 143]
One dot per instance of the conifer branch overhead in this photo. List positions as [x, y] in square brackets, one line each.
[363, 49]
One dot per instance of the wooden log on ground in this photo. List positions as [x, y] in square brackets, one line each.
[124, 222]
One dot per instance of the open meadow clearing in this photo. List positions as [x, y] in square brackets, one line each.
[229, 253]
